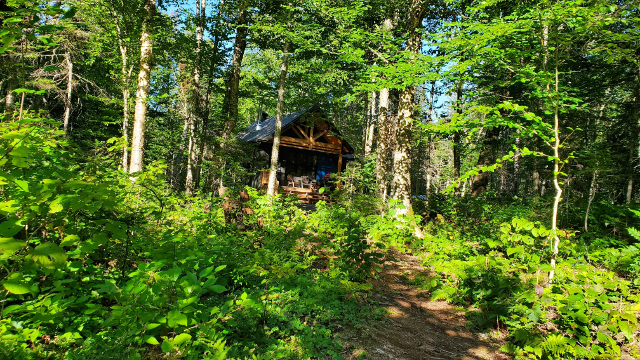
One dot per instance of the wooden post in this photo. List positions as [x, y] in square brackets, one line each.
[340, 163]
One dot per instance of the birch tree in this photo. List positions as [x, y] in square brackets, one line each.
[144, 79]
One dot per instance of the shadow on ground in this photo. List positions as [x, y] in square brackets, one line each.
[415, 328]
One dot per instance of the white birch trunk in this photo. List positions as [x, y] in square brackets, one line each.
[144, 77]
[370, 129]
[67, 100]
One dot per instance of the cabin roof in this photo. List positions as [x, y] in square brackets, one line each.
[250, 133]
[268, 127]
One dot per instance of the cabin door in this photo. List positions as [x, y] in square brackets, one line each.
[327, 164]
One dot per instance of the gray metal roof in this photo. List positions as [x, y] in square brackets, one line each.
[250, 133]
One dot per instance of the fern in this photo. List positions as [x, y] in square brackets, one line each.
[634, 232]
[557, 345]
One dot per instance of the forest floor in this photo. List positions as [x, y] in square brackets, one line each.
[414, 327]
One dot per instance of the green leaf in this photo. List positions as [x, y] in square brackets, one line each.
[627, 329]
[70, 13]
[23, 185]
[181, 338]
[217, 288]
[16, 284]
[10, 227]
[56, 205]
[15, 287]
[70, 240]
[49, 255]
[166, 346]
[151, 340]
[176, 318]
[8, 246]
[546, 267]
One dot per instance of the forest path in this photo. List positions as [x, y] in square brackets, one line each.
[415, 328]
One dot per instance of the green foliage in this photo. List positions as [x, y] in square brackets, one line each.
[587, 312]
[98, 265]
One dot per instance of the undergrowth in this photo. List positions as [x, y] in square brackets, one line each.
[498, 268]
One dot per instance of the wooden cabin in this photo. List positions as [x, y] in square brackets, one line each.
[310, 150]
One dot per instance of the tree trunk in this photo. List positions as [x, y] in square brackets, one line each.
[556, 168]
[230, 102]
[630, 177]
[402, 152]
[431, 96]
[126, 76]
[177, 160]
[67, 100]
[385, 127]
[480, 182]
[404, 134]
[457, 144]
[592, 194]
[428, 170]
[125, 129]
[384, 145]
[517, 165]
[196, 99]
[9, 100]
[275, 149]
[144, 77]
[370, 128]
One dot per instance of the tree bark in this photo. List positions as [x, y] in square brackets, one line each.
[230, 103]
[385, 134]
[592, 194]
[385, 126]
[196, 99]
[480, 182]
[370, 128]
[67, 100]
[275, 149]
[9, 100]
[404, 137]
[556, 168]
[126, 76]
[144, 77]
[457, 144]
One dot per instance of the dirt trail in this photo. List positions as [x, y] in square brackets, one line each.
[415, 328]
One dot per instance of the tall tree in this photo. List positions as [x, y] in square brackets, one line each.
[404, 137]
[275, 148]
[144, 79]
[196, 100]
[386, 129]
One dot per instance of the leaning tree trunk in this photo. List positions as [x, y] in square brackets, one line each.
[67, 100]
[275, 149]
[144, 77]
